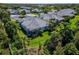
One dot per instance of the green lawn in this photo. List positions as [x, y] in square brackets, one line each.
[39, 40]
[34, 43]
[34, 14]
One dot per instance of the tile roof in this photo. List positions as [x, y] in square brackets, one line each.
[66, 12]
[34, 23]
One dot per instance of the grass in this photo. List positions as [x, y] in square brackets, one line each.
[34, 14]
[34, 43]
[21, 34]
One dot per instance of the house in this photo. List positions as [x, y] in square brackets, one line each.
[25, 7]
[46, 17]
[49, 16]
[26, 10]
[34, 25]
[14, 16]
[57, 15]
[66, 12]
[13, 11]
[36, 11]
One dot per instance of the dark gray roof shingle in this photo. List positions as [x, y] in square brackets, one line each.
[66, 12]
[33, 24]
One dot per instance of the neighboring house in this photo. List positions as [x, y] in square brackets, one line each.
[25, 7]
[46, 17]
[36, 11]
[66, 12]
[26, 10]
[58, 15]
[13, 11]
[14, 16]
[50, 16]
